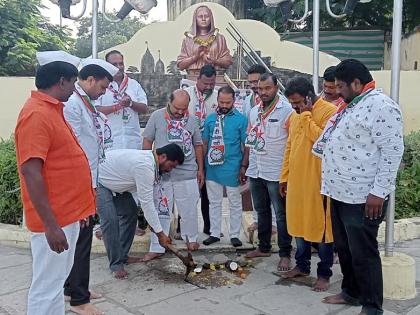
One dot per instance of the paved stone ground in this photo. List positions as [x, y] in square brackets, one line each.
[158, 288]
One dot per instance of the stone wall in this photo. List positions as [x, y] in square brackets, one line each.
[158, 89]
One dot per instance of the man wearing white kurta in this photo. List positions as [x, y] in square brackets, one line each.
[92, 132]
[173, 124]
[126, 171]
[122, 102]
[203, 102]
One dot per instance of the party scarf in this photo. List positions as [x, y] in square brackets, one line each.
[256, 135]
[216, 154]
[103, 133]
[176, 132]
[126, 115]
[319, 145]
[200, 107]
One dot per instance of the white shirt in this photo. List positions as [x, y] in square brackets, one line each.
[364, 151]
[126, 135]
[81, 120]
[210, 103]
[268, 166]
[129, 170]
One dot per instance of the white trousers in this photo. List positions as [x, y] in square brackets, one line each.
[273, 215]
[164, 218]
[215, 194]
[49, 272]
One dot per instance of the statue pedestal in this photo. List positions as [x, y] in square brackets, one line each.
[220, 76]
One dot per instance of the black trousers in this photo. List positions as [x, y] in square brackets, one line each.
[357, 247]
[205, 209]
[77, 283]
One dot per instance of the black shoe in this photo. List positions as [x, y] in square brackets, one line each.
[210, 240]
[236, 242]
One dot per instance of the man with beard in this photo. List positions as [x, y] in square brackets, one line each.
[329, 92]
[267, 139]
[123, 172]
[360, 162]
[307, 211]
[203, 102]
[223, 138]
[254, 74]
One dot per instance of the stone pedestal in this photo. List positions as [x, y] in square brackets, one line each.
[399, 274]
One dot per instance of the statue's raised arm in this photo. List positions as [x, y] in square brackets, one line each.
[203, 44]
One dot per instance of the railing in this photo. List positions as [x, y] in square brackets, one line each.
[246, 53]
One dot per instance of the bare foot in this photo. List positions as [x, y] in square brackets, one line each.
[337, 299]
[134, 260]
[273, 230]
[98, 235]
[253, 227]
[284, 264]
[140, 232]
[321, 285]
[194, 246]
[151, 256]
[257, 253]
[95, 295]
[294, 273]
[336, 259]
[177, 236]
[86, 309]
[120, 274]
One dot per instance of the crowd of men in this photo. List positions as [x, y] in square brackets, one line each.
[320, 170]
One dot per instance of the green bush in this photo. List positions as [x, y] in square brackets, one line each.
[407, 193]
[10, 202]
[408, 181]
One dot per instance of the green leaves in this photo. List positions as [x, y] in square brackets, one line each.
[408, 180]
[109, 34]
[23, 31]
[10, 202]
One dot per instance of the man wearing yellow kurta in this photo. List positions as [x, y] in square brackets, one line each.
[307, 211]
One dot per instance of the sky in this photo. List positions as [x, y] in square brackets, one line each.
[52, 11]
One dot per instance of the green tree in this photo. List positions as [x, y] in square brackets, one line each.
[374, 15]
[109, 34]
[23, 32]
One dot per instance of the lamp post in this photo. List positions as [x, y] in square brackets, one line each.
[286, 6]
[395, 93]
[142, 6]
[395, 74]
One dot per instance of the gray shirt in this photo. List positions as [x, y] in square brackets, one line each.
[156, 131]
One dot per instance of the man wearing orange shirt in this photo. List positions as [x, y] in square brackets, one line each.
[56, 202]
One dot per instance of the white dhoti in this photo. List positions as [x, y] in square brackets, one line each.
[49, 272]
[164, 213]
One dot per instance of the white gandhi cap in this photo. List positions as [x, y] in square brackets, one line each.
[46, 57]
[111, 69]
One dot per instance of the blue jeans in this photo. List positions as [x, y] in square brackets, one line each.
[304, 253]
[118, 218]
[264, 193]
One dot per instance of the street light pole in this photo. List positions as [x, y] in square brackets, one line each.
[395, 91]
[94, 28]
[315, 45]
